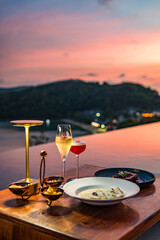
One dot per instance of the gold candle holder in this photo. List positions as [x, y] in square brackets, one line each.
[27, 124]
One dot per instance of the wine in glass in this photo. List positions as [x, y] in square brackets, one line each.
[63, 141]
[77, 148]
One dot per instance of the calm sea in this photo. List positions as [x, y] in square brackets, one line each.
[14, 137]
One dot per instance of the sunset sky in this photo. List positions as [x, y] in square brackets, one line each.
[42, 41]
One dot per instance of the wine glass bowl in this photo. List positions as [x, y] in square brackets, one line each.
[53, 181]
[52, 195]
[78, 147]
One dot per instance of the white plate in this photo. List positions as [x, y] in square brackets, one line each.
[74, 187]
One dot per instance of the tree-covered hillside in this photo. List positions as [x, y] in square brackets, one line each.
[69, 99]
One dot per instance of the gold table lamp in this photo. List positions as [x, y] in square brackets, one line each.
[27, 124]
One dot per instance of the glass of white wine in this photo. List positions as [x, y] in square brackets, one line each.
[64, 141]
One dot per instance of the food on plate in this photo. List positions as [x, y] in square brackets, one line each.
[52, 191]
[53, 181]
[16, 186]
[133, 177]
[102, 193]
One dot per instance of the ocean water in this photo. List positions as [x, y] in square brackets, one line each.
[14, 137]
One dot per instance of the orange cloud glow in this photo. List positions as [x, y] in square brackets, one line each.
[51, 44]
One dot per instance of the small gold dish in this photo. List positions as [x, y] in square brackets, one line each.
[54, 181]
[18, 188]
[51, 194]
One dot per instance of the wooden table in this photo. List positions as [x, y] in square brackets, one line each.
[71, 219]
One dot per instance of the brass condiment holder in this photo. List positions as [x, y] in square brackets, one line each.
[50, 181]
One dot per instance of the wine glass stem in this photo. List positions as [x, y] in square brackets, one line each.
[64, 160]
[77, 168]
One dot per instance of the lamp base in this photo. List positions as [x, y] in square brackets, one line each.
[33, 187]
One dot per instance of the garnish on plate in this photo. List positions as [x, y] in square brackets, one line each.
[95, 194]
[133, 177]
[123, 174]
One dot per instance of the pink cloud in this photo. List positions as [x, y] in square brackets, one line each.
[47, 46]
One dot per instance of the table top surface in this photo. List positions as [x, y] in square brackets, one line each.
[72, 219]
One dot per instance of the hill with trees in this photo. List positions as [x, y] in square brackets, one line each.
[74, 99]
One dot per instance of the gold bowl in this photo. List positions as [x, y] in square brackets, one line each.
[51, 194]
[18, 188]
[54, 181]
